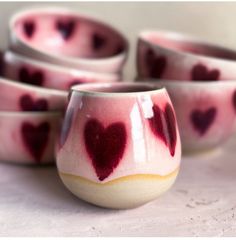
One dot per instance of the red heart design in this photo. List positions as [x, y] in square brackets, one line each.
[234, 100]
[28, 104]
[35, 78]
[35, 138]
[29, 28]
[201, 73]
[156, 65]
[98, 41]
[66, 28]
[163, 125]
[105, 146]
[202, 120]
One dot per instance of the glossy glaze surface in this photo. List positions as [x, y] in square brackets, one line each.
[108, 135]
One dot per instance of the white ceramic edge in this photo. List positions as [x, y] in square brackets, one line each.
[64, 10]
[55, 67]
[82, 89]
[189, 38]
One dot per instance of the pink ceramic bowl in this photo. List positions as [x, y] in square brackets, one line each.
[119, 144]
[206, 112]
[28, 138]
[174, 56]
[23, 97]
[64, 37]
[24, 69]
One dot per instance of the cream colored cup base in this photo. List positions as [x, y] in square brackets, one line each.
[122, 193]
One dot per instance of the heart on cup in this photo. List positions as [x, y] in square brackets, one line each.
[201, 73]
[163, 125]
[35, 138]
[29, 28]
[66, 29]
[36, 78]
[105, 146]
[156, 64]
[202, 120]
[28, 104]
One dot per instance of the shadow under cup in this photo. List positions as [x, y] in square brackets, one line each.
[119, 145]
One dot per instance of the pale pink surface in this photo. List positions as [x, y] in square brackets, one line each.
[144, 152]
[56, 77]
[12, 92]
[12, 147]
[187, 97]
[182, 53]
[48, 45]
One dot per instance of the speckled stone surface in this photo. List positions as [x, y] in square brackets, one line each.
[33, 202]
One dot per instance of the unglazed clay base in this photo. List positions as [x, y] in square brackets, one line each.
[125, 192]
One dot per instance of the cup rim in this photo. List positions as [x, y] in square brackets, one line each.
[83, 89]
[179, 36]
[65, 10]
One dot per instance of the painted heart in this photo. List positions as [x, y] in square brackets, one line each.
[66, 125]
[202, 120]
[35, 138]
[35, 78]
[234, 100]
[98, 41]
[201, 73]
[29, 29]
[163, 125]
[66, 29]
[156, 64]
[28, 104]
[105, 146]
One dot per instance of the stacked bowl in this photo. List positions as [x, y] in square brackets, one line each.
[200, 78]
[50, 50]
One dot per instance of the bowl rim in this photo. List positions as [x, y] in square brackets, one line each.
[32, 113]
[55, 67]
[32, 88]
[193, 84]
[64, 11]
[180, 36]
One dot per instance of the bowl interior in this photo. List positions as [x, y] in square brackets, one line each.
[181, 43]
[63, 33]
